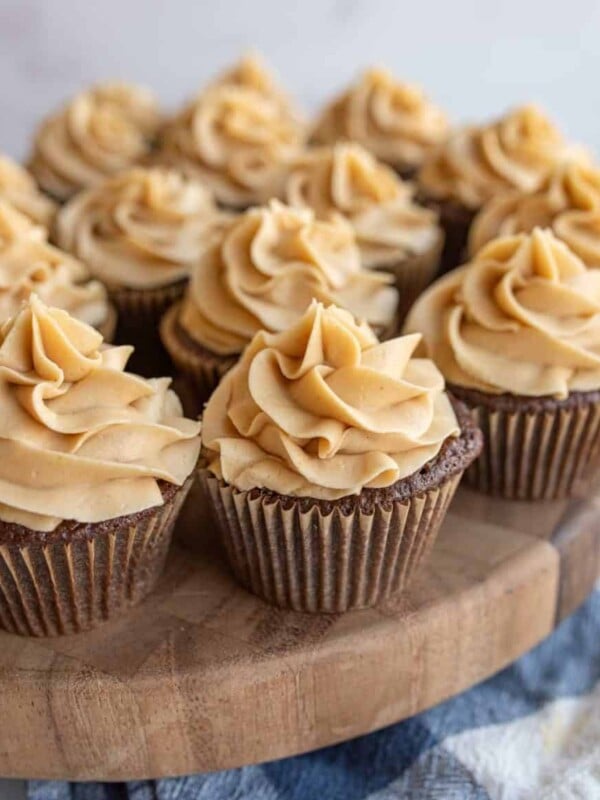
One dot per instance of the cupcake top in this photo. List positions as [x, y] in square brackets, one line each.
[514, 152]
[80, 438]
[568, 202]
[19, 189]
[99, 132]
[143, 228]
[394, 120]
[269, 265]
[325, 410]
[58, 279]
[347, 179]
[235, 139]
[15, 226]
[523, 317]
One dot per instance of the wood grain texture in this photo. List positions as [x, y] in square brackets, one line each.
[204, 676]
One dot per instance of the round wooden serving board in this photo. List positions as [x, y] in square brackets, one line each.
[203, 676]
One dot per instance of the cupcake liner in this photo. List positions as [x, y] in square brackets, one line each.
[307, 560]
[70, 583]
[456, 221]
[534, 454]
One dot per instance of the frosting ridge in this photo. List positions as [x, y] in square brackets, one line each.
[19, 189]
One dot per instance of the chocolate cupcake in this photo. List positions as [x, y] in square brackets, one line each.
[98, 133]
[95, 463]
[567, 202]
[476, 163]
[19, 188]
[392, 232]
[394, 120]
[140, 233]
[330, 461]
[263, 274]
[516, 333]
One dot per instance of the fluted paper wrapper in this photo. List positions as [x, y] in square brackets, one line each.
[73, 585]
[456, 221]
[534, 455]
[315, 562]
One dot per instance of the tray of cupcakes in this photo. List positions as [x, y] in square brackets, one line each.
[245, 363]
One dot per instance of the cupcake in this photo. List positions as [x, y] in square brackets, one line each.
[99, 132]
[140, 233]
[394, 120]
[237, 141]
[330, 459]
[18, 188]
[97, 463]
[476, 163]
[516, 333]
[29, 266]
[392, 232]
[263, 274]
[15, 226]
[567, 202]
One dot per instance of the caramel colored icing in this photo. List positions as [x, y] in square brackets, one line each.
[19, 189]
[324, 410]
[98, 133]
[267, 269]
[143, 229]
[347, 179]
[237, 141]
[80, 438]
[568, 202]
[522, 317]
[394, 120]
[516, 151]
[15, 226]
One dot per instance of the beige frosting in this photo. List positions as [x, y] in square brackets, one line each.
[19, 188]
[514, 152]
[347, 179]
[80, 438]
[144, 228]
[324, 410]
[394, 120]
[235, 139]
[15, 226]
[523, 317]
[58, 279]
[267, 269]
[568, 202]
[98, 133]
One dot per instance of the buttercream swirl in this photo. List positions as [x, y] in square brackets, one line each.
[235, 139]
[523, 317]
[143, 228]
[567, 202]
[516, 151]
[324, 410]
[80, 438]
[394, 120]
[15, 226]
[348, 179]
[268, 267]
[99, 132]
[19, 189]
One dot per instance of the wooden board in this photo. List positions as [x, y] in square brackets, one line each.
[204, 676]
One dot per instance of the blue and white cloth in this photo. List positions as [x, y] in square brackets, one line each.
[532, 732]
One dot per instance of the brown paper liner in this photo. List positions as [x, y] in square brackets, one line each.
[330, 563]
[456, 221]
[533, 453]
[68, 585]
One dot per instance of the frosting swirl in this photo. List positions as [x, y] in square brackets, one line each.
[143, 228]
[348, 180]
[15, 226]
[269, 265]
[523, 317]
[568, 202]
[514, 152]
[98, 133]
[394, 120]
[324, 410]
[18, 188]
[236, 140]
[80, 438]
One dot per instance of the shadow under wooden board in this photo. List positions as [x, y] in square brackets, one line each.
[204, 676]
